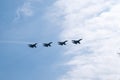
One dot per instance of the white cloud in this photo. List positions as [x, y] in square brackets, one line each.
[26, 10]
[98, 23]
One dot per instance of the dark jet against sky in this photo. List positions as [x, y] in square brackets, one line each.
[47, 44]
[76, 41]
[32, 45]
[118, 53]
[62, 43]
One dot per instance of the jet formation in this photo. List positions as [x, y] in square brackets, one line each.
[62, 43]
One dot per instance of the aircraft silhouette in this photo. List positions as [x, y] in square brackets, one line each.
[47, 44]
[32, 45]
[62, 43]
[76, 41]
[118, 53]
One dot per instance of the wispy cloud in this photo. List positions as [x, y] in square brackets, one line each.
[97, 22]
[26, 9]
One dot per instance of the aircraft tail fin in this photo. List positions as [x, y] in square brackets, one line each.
[79, 39]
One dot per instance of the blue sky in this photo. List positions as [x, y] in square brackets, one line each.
[23, 22]
[28, 21]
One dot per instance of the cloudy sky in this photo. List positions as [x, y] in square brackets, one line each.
[28, 21]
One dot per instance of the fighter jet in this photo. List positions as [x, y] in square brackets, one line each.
[62, 43]
[76, 41]
[118, 54]
[47, 44]
[32, 45]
